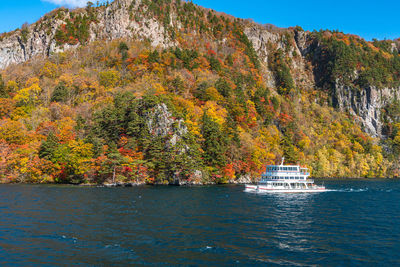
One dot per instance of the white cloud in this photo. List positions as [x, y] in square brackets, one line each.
[69, 3]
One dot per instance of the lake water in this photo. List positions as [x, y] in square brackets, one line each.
[357, 223]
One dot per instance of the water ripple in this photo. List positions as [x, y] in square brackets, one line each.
[355, 223]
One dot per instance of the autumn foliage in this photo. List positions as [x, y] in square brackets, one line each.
[203, 111]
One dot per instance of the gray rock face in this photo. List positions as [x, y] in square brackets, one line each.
[161, 123]
[244, 179]
[14, 49]
[366, 104]
[260, 38]
[112, 22]
[267, 41]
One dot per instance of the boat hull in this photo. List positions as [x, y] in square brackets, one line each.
[263, 189]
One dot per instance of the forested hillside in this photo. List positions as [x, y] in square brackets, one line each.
[210, 99]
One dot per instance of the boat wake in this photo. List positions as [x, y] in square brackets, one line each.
[281, 193]
[348, 190]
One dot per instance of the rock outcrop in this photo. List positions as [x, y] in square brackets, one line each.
[367, 105]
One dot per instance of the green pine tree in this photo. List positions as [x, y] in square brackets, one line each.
[49, 147]
[214, 144]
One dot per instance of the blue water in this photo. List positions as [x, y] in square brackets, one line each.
[357, 223]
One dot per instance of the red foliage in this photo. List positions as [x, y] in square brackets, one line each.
[229, 171]
[211, 52]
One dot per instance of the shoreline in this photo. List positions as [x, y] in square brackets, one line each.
[126, 185]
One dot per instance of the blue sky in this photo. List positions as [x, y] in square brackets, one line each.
[369, 19]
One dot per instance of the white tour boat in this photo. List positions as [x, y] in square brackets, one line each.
[285, 179]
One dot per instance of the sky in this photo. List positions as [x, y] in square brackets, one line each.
[367, 18]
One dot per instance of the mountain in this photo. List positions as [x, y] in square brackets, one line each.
[169, 92]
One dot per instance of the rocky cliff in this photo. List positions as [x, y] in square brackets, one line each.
[367, 105]
[111, 22]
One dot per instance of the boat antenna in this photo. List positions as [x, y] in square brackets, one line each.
[283, 159]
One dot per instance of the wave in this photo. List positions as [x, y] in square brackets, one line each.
[73, 239]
